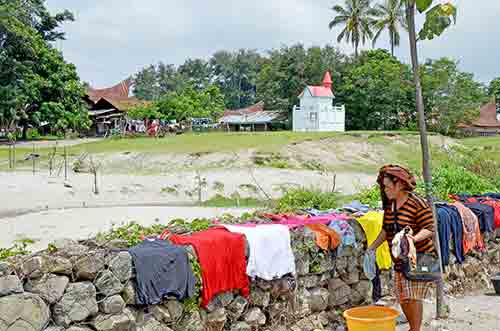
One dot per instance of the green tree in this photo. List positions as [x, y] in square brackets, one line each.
[450, 96]
[378, 93]
[356, 18]
[494, 88]
[146, 85]
[390, 16]
[196, 72]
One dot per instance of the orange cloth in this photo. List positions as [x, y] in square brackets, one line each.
[326, 238]
[472, 234]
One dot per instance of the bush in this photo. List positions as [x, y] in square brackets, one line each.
[300, 198]
[370, 196]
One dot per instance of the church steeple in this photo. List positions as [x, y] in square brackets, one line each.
[327, 80]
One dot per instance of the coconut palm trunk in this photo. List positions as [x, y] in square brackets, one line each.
[410, 13]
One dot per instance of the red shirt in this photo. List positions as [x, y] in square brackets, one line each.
[222, 260]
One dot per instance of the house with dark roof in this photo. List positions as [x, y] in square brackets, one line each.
[108, 106]
[317, 112]
[253, 118]
[488, 123]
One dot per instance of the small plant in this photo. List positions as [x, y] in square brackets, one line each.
[19, 248]
[170, 190]
[370, 196]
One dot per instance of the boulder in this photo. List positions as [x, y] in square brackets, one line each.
[5, 269]
[302, 263]
[23, 312]
[78, 328]
[340, 293]
[237, 307]
[34, 267]
[241, 326]
[121, 266]
[309, 281]
[364, 288]
[88, 266]
[162, 314]
[108, 284]
[128, 294]
[112, 305]
[10, 285]
[350, 278]
[50, 287]
[77, 304]
[318, 299]
[121, 322]
[259, 298]
[153, 325]
[220, 301]
[277, 309]
[191, 322]
[216, 320]
[175, 308]
[60, 328]
[255, 317]
[303, 307]
[59, 265]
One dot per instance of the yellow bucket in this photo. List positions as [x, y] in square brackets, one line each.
[371, 318]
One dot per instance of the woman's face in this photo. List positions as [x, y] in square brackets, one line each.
[391, 188]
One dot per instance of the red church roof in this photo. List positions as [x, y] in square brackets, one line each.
[322, 91]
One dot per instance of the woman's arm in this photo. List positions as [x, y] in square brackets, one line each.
[422, 235]
[382, 236]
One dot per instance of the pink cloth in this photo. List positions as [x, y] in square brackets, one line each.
[296, 221]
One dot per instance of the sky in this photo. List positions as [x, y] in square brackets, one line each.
[112, 39]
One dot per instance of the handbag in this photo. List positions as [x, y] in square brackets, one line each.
[427, 266]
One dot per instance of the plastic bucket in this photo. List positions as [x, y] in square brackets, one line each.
[371, 318]
[496, 283]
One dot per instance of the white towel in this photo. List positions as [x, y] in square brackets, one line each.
[270, 249]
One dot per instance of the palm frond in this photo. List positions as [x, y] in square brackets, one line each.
[337, 20]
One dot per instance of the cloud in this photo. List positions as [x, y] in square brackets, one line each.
[112, 39]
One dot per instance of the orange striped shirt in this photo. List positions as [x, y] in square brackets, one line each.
[415, 213]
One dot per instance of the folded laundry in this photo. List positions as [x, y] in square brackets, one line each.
[450, 224]
[326, 238]
[271, 254]
[496, 210]
[485, 214]
[162, 269]
[222, 259]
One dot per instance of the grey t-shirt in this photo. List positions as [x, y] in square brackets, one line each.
[162, 269]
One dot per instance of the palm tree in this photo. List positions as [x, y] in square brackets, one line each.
[356, 18]
[390, 16]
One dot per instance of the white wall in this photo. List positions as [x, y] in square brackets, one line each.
[325, 117]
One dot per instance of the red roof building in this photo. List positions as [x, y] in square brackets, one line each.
[488, 123]
[324, 90]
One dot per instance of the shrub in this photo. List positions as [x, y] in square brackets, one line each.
[300, 198]
[370, 196]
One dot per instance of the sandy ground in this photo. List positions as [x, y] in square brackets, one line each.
[27, 192]
[83, 223]
[471, 313]
[46, 143]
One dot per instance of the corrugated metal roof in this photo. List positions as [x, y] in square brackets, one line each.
[259, 117]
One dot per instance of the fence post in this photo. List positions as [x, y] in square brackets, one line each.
[10, 156]
[34, 159]
[14, 155]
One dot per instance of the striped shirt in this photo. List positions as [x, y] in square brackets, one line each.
[416, 214]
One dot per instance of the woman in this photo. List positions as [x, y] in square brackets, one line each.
[402, 209]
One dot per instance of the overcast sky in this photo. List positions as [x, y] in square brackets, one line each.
[112, 39]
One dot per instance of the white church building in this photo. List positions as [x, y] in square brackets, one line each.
[316, 111]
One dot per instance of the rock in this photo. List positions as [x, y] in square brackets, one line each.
[23, 312]
[364, 288]
[128, 294]
[255, 317]
[356, 297]
[121, 322]
[259, 298]
[220, 301]
[72, 251]
[153, 325]
[10, 285]
[277, 309]
[310, 323]
[350, 278]
[121, 266]
[340, 293]
[5, 269]
[107, 284]
[341, 265]
[162, 314]
[50, 287]
[117, 244]
[59, 265]
[78, 328]
[88, 266]
[77, 304]
[34, 267]
[309, 281]
[60, 328]
[112, 305]
[318, 299]
[241, 326]
[302, 263]
[216, 320]
[303, 307]
[175, 308]
[63, 243]
[237, 307]
[192, 322]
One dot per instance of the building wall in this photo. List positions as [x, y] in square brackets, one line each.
[317, 114]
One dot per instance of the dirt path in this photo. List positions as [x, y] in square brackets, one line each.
[48, 143]
[471, 313]
[44, 227]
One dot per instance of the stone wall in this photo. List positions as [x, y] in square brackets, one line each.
[89, 286]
